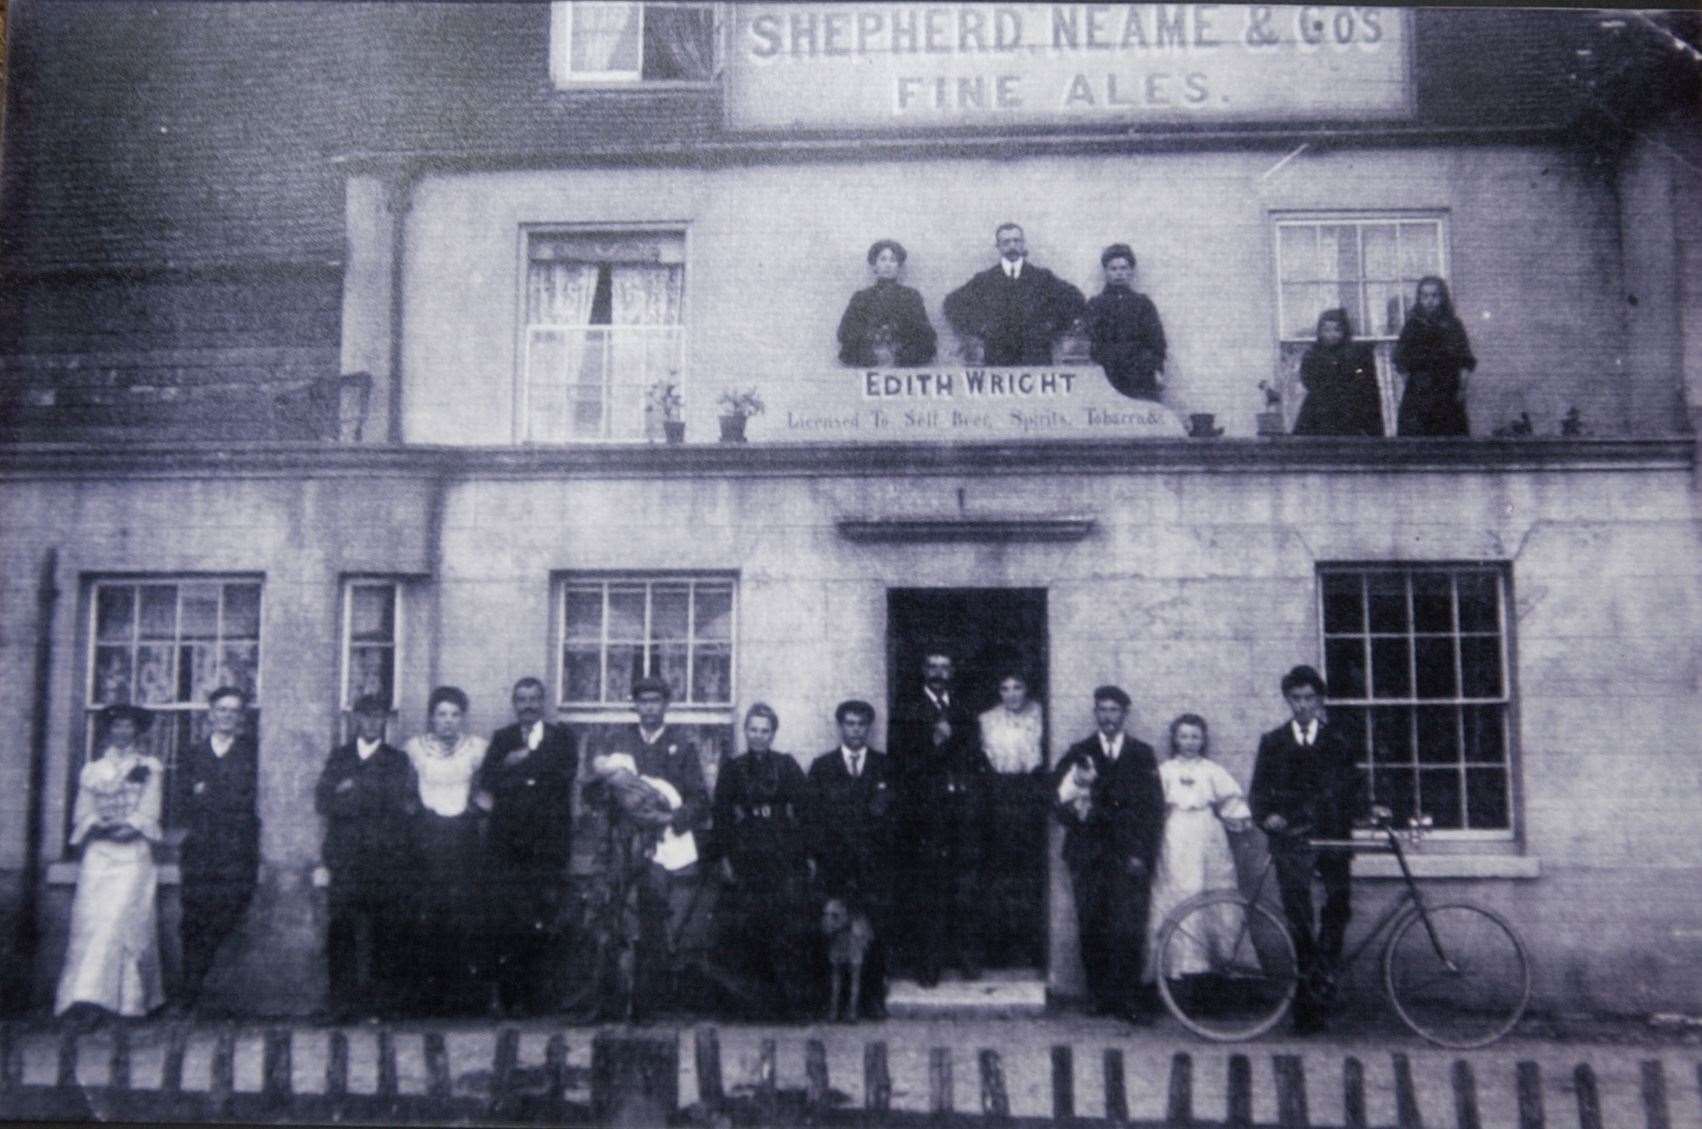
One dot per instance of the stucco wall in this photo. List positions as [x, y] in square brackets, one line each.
[1534, 258]
[1194, 590]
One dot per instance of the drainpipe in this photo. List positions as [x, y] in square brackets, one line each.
[27, 939]
[398, 201]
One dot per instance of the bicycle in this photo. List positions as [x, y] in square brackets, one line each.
[1457, 974]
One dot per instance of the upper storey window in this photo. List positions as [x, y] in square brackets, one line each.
[592, 42]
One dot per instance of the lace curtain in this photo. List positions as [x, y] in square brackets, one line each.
[679, 43]
[563, 381]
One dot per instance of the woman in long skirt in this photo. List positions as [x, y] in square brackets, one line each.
[113, 960]
[1011, 734]
[446, 761]
[1201, 799]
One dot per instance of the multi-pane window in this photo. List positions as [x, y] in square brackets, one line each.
[605, 324]
[165, 645]
[371, 638]
[1366, 265]
[615, 631]
[597, 42]
[1416, 661]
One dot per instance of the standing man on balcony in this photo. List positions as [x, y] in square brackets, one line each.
[1014, 310]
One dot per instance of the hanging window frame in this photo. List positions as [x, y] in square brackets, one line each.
[563, 20]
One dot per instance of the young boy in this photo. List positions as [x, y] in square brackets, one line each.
[1307, 786]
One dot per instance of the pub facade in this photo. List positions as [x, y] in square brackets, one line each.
[364, 384]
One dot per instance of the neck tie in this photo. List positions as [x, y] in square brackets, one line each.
[856, 765]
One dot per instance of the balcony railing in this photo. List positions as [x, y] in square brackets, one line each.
[588, 383]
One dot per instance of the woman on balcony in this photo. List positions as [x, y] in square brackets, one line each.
[886, 324]
[1433, 353]
[446, 761]
[112, 964]
[1340, 376]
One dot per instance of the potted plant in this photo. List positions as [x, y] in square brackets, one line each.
[662, 400]
[1270, 420]
[736, 408]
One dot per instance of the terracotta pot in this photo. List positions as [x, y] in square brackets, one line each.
[674, 430]
[733, 429]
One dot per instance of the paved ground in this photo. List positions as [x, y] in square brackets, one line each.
[1614, 1050]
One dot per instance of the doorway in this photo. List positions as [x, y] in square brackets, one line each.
[989, 632]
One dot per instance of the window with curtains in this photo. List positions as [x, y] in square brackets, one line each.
[604, 322]
[1368, 264]
[595, 42]
[1417, 665]
[371, 639]
[164, 644]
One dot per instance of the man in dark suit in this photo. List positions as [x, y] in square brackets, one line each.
[1016, 309]
[529, 772]
[668, 883]
[850, 812]
[1307, 785]
[1109, 798]
[218, 788]
[764, 917]
[368, 796]
[944, 775]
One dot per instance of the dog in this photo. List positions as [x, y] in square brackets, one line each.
[849, 936]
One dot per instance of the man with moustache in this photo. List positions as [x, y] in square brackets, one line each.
[1015, 309]
[1110, 800]
[528, 771]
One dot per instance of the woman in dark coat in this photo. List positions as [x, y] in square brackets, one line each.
[1432, 352]
[1340, 376]
[886, 324]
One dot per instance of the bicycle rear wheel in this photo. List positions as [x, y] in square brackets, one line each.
[1226, 966]
[1462, 982]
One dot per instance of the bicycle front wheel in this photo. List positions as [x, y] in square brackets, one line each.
[1226, 966]
[1458, 975]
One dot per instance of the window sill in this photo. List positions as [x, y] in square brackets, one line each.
[1521, 867]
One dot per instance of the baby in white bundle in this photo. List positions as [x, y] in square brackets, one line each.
[649, 801]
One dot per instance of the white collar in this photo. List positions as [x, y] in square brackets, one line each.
[532, 735]
[942, 700]
[365, 748]
[1306, 736]
[1111, 746]
[860, 755]
[1011, 267]
[220, 743]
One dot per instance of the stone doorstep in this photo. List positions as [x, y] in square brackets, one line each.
[991, 998]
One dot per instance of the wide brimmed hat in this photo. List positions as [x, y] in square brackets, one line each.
[138, 716]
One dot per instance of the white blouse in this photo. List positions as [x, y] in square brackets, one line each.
[1190, 785]
[1012, 740]
[109, 791]
[446, 780]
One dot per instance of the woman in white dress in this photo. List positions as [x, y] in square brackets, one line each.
[1015, 876]
[113, 960]
[1201, 799]
[446, 760]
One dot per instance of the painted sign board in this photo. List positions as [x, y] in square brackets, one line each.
[958, 405]
[907, 66]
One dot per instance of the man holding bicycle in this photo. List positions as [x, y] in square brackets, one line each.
[1305, 786]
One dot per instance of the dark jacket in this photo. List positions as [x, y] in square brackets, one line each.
[218, 805]
[849, 824]
[1127, 340]
[531, 817]
[1342, 397]
[1126, 819]
[1432, 352]
[1016, 321]
[672, 758]
[368, 833]
[899, 311]
[944, 788]
[1318, 788]
[760, 801]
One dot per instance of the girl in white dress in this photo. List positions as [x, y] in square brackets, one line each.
[113, 959]
[1201, 799]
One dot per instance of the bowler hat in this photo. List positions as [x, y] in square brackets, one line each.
[138, 716]
[1111, 694]
[650, 684]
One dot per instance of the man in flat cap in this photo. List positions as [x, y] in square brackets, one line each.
[850, 811]
[1108, 796]
[1015, 309]
[1125, 336]
[660, 854]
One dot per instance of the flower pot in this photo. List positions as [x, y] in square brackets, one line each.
[674, 430]
[1270, 423]
[733, 429]
[1200, 426]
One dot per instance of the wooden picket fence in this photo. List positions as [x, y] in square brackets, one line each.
[634, 1080]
